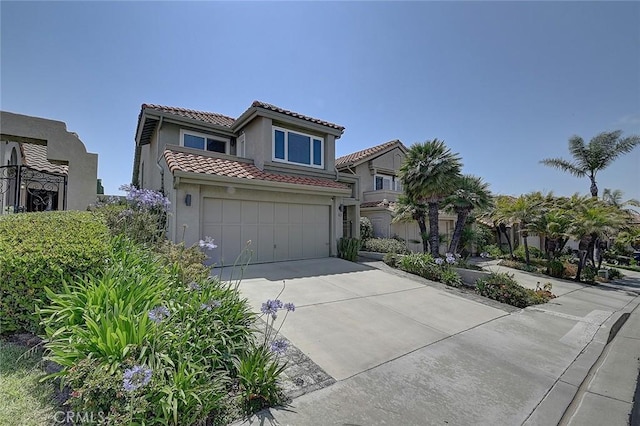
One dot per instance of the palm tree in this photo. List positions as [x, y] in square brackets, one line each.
[471, 193]
[601, 151]
[428, 175]
[614, 198]
[593, 222]
[524, 210]
[406, 210]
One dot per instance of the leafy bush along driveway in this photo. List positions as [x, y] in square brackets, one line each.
[147, 337]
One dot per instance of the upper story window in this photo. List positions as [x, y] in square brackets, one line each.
[195, 140]
[297, 148]
[387, 183]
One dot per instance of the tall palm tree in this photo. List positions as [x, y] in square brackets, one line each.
[471, 193]
[428, 175]
[589, 159]
[615, 198]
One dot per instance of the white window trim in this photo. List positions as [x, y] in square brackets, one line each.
[226, 141]
[286, 148]
[394, 183]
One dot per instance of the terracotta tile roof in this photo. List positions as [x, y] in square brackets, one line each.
[260, 104]
[207, 117]
[356, 157]
[35, 156]
[188, 162]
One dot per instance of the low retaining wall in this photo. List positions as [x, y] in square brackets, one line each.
[470, 276]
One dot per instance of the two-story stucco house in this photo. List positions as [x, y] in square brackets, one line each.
[378, 171]
[267, 177]
[43, 166]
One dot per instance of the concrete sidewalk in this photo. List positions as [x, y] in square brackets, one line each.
[424, 356]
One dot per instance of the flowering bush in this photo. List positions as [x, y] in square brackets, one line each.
[439, 269]
[157, 349]
[141, 215]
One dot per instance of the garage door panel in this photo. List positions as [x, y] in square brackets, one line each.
[266, 213]
[230, 243]
[231, 211]
[295, 213]
[265, 243]
[249, 212]
[278, 231]
[281, 241]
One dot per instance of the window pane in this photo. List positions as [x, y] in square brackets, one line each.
[279, 145]
[216, 146]
[317, 152]
[386, 183]
[379, 183]
[192, 141]
[299, 148]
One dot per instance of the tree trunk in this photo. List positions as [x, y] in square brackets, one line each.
[423, 233]
[594, 187]
[434, 237]
[457, 232]
[581, 261]
[502, 227]
[525, 234]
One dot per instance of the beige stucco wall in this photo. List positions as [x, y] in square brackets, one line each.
[62, 146]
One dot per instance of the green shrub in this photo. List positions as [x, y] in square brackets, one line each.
[492, 250]
[534, 253]
[348, 248]
[556, 268]
[258, 372]
[421, 264]
[141, 215]
[450, 277]
[366, 228]
[391, 259]
[590, 273]
[504, 288]
[44, 249]
[614, 273]
[140, 312]
[509, 263]
[385, 245]
[187, 262]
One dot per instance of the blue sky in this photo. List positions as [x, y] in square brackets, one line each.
[504, 84]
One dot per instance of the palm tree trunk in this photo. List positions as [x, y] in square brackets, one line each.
[502, 227]
[457, 231]
[581, 261]
[423, 233]
[594, 187]
[525, 235]
[434, 237]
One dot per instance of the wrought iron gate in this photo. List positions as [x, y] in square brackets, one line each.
[25, 189]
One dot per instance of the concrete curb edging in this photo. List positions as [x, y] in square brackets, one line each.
[558, 401]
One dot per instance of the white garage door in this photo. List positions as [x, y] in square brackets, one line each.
[277, 231]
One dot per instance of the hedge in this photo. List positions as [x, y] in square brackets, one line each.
[43, 249]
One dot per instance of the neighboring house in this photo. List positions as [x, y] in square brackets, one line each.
[267, 177]
[43, 166]
[378, 171]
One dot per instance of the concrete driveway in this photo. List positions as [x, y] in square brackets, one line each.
[350, 317]
[409, 351]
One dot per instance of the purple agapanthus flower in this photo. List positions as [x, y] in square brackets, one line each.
[158, 314]
[211, 304]
[270, 307]
[207, 243]
[289, 307]
[194, 286]
[136, 377]
[146, 198]
[279, 346]
[439, 261]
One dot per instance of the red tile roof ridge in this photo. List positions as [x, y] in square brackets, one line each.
[179, 110]
[266, 105]
[357, 156]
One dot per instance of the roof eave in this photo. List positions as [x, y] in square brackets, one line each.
[253, 112]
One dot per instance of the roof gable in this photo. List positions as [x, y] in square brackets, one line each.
[359, 157]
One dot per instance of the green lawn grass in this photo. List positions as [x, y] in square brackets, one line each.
[23, 400]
